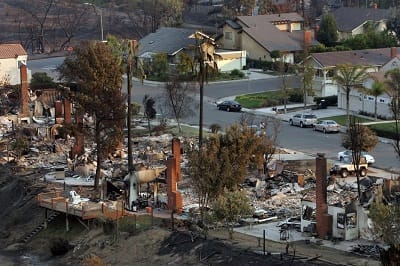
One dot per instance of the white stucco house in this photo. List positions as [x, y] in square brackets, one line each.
[376, 61]
[11, 57]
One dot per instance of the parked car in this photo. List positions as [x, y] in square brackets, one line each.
[327, 126]
[346, 167]
[342, 155]
[303, 120]
[229, 106]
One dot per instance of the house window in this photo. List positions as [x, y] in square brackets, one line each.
[382, 100]
[228, 35]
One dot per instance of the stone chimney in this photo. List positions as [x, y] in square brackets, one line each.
[324, 220]
[393, 52]
[23, 72]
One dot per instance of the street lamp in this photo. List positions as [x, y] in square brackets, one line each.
[101, 18]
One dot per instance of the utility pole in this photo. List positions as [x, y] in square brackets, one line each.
[129, 64]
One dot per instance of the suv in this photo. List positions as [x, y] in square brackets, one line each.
[344, 168]
[303, 120]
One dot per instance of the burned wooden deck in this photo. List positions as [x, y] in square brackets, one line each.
[113, 210]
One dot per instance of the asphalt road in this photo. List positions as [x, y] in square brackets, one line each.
[305, 140]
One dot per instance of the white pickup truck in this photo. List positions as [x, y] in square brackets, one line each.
[344, 168]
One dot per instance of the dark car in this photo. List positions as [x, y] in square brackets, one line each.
[230, 106]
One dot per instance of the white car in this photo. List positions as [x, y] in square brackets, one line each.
[303, 120]
[327, 126]
[342, 155]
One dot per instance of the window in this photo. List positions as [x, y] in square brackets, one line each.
[340, 220]
[228, 35]
[351, 220]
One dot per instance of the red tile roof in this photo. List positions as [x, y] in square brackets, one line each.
[11, 50]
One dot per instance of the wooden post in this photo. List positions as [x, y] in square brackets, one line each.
[45, 218]
[66, 217]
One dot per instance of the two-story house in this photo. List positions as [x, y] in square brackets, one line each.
[260, 35]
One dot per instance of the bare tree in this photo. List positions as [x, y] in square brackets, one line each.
[70, 19]
[179, 99]
[39, 11]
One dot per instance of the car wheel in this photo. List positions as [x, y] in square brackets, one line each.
[344, 173]
[341, 158]
[301, 124]
[291, 122]
[363, 172]
[219, 107]
[324, 130]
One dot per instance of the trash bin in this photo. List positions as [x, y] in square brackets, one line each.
[323, 104]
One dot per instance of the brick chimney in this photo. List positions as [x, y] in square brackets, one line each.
[59, 110]
[176, 150]
[393, 52]
[23, 72]
[307, 38]
[67, 111]
[324, 220]
[173, 168]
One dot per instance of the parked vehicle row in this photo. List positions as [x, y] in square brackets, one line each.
[311, 120]
[347, 155]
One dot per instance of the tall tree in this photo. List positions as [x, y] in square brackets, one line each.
[179, 99]
[328, 31]
[358, 139]
[350, 77]
[98, 75]
[393, 89]
[205, 61]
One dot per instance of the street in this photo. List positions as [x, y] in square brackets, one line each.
[295, 138]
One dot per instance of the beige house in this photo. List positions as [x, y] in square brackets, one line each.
[377, 61]
[262, 34]
[11, 58]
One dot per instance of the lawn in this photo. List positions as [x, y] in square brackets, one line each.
[341, 119]
[258, 100]
[386, 130]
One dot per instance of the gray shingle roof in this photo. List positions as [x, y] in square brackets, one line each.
[166, 40]
[367, 57]
[271, 38]
[349, 18]
[261, 28]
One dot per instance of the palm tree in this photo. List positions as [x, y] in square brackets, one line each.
[378, 88]
[348, 77]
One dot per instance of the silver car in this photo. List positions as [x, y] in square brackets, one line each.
[303, 120]
[327, 126]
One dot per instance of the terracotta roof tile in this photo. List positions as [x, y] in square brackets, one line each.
[11, 50]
